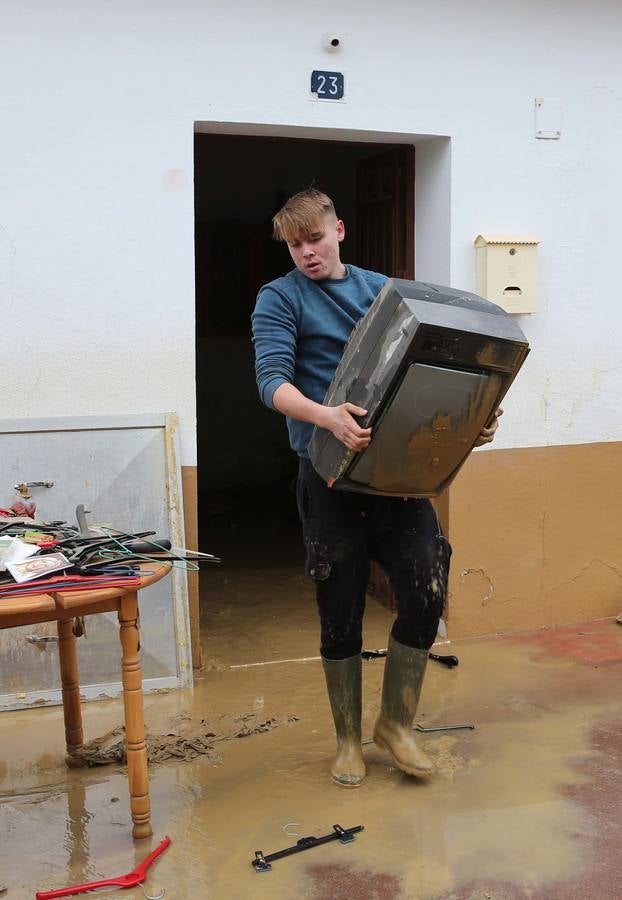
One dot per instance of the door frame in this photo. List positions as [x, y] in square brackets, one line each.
[432, 227]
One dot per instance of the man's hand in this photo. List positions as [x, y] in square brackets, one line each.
[337, 419]
[487, 435]
[341, 422]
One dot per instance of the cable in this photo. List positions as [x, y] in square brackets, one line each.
[187, 565]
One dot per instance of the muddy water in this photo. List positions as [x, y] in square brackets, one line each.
[508, 814]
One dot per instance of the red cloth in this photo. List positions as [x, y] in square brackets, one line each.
[19, 508]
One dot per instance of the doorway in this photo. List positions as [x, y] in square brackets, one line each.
[247, 510]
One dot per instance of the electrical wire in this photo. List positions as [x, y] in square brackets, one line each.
[187, 565]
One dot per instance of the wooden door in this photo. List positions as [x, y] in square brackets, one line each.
[385, 212]
[385, 242]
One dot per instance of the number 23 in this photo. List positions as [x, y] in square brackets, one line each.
[334, 87]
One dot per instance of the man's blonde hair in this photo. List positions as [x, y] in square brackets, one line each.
[301, 214]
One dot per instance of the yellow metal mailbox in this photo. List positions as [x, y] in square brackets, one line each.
[507, 271]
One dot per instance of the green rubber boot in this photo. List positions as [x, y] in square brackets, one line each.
[403, 677]
[343, 681]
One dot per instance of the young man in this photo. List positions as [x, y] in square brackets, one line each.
[301, 324]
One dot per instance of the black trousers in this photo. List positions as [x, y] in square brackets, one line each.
[341, 532]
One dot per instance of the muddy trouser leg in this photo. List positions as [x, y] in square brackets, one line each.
[335, 535]
[409, 545]
[334, 532]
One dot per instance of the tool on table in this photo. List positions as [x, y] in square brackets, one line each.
[261, 863]
[449, 661]
[133, 878]
[83, 526]
[105, 558]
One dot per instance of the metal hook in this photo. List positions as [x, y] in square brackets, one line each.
[155, 896]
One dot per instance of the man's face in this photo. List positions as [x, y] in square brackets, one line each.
[317, 254]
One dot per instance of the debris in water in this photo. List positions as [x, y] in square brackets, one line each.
[183, 740]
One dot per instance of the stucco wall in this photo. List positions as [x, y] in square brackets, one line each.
[536, 538]
[96, 169]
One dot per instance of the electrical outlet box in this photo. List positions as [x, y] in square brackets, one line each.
[507, 271]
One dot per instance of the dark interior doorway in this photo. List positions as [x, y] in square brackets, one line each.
[245, 465]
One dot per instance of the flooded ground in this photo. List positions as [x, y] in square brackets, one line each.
[526, 805]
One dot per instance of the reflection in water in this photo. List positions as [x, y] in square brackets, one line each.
[76, 842]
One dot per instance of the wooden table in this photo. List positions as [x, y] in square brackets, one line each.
[64, 608]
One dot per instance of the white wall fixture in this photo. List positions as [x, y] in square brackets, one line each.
[548, 118]
[331, 41]
[507, 271]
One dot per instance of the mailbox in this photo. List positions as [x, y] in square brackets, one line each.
[507, 271]
[430, 365]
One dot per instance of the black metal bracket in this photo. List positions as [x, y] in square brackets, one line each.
[261, 863]
[449, 661]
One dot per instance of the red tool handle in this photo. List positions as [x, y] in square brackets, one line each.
[136, 876]
[142, 868]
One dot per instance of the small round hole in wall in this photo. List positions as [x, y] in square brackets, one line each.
[331, 42]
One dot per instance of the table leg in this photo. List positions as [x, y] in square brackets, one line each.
[72, 711]
[137, 774]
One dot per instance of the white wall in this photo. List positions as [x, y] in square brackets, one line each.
[96, 214]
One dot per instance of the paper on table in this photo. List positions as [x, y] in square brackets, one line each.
[27, 569]
[14, 550]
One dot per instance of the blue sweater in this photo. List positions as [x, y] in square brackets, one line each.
[300, 328]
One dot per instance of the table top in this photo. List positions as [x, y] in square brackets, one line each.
[33, 608]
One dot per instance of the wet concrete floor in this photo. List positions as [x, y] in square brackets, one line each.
[526, 805]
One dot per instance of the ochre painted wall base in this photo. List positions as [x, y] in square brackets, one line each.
[536, 535]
